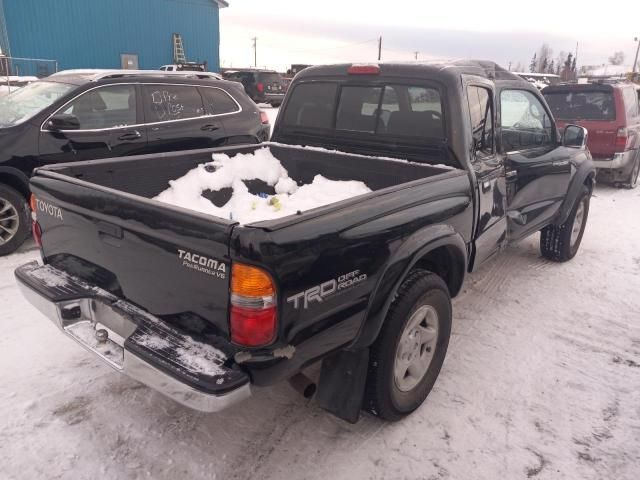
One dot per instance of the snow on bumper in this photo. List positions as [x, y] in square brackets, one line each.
[134, 342]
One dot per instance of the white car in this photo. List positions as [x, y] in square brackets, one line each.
[186, 70]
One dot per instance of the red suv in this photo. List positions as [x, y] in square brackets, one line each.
[611, 114]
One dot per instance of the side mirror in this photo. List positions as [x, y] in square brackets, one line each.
[575, 137]
[63, 121]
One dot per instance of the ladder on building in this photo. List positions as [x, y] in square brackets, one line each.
[178, 50]
[4, 37]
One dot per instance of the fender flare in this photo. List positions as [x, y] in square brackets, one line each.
[21, 179]
[412, 250]
[585, 171]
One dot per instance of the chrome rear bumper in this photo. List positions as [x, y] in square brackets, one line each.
[133, 342]
[619, 161]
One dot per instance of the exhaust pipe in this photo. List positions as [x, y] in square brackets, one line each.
[303, 385]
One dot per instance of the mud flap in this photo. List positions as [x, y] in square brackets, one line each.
[342, 380]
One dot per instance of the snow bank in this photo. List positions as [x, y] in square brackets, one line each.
[245, 207]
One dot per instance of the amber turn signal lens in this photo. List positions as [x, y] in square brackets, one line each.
[251, 281]
[32, 202]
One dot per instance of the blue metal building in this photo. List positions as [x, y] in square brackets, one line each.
[98, 33]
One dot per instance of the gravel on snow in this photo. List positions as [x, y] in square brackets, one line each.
[542, 380]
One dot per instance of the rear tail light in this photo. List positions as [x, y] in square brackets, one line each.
[253, 315]
[622, 137]
[36, 230]
[264, 118]
[359, 69]
[260, 87]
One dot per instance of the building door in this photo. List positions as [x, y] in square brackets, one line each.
[129, 61]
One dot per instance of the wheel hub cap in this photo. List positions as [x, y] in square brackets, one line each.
[577, 223]
[416, 348]
[9, 221]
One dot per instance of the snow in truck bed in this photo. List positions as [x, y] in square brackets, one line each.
[245, 207]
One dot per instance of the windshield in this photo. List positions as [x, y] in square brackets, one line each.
[582, 105]
[30, 100]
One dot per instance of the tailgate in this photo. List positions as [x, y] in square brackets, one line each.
[172, 262]
[602, 136]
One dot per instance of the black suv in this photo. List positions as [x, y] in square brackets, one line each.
[80, 115]
[263, 86]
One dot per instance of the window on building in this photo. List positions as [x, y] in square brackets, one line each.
[165, 103]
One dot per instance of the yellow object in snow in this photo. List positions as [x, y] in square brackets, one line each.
[275, 203]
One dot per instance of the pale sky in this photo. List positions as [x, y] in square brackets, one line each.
[330, 31]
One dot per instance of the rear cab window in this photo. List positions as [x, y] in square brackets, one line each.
[390, 118]
[581, 104]
[414, 113]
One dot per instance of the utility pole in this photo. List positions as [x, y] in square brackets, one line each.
[380, 48]
[635, 62]
[415, 54]
[255, 51]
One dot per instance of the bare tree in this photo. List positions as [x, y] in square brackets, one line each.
[544, 57]
[617, 58]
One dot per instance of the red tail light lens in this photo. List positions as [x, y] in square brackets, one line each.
[252, 327]
[260, 87]
[264, 118]
[37, 233]
[622, 136]
[364, 70]
[253, 313]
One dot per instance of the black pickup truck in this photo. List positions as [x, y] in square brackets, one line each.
[461, 158]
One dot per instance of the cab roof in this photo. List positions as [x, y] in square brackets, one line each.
[437, 69]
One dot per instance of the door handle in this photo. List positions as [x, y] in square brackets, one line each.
[209, 128]
[130, 135]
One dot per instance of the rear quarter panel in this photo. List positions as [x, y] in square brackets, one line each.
[314, 262]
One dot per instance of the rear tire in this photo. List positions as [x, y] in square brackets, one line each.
[560, 243]
[632, 181]
[407, 356]
[14, 220]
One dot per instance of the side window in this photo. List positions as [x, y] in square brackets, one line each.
[481, 113]
[525, 123]
[630, 102]
[163, 103]
[105, 107]
[218, 101]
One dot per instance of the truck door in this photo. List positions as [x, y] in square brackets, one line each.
[104, 122]
[488, 166]
[538, 167]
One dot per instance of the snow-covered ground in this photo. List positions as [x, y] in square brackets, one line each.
[542, 380]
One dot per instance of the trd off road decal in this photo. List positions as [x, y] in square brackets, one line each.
[203, 264]
[326, 289]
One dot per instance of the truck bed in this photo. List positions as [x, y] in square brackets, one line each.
[148, 175]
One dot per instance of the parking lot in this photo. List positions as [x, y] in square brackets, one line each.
[541, 381]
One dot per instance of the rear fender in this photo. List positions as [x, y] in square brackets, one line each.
[413, 250]
[585, 175]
